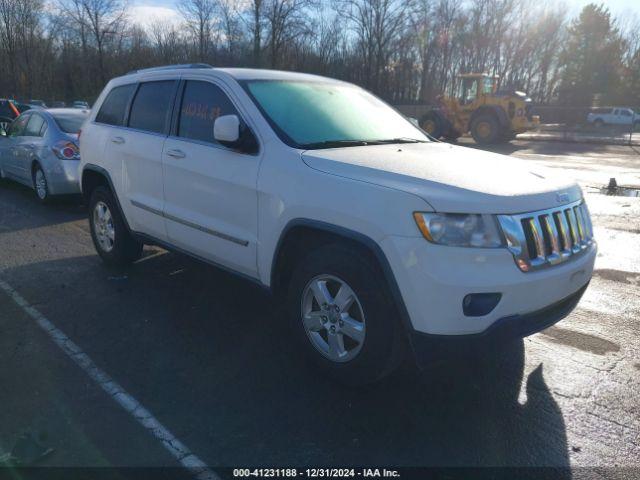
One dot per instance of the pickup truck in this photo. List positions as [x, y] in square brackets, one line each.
[613, 116]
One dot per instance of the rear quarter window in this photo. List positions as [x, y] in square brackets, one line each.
[114, 107]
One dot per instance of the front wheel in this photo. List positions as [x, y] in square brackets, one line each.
[111, 238]
[433, 124]
[485, 129]
[342, 317]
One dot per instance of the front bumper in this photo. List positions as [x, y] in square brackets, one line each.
[430, 348]
[433, 280]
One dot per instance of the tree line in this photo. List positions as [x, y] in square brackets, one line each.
[402, 50]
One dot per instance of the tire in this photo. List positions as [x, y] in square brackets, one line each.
[452, 136]
[40, 184]
[506, 137]
[4, 123]
[485, 129]
[380, 348]
[433, 124]
[111, 237]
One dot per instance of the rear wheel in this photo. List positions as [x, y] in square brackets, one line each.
[40, 184]
[342, 317]
[485, 129]
[111, 238]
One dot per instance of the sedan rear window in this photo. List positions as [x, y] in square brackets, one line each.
[69, 123]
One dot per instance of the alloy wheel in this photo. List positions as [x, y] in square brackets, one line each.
[103, 226]
[333, 318]
[41, 184]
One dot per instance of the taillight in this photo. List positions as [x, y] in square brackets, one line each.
[66, 150]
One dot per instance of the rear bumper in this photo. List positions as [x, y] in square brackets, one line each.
[63, 178]
[428, 348]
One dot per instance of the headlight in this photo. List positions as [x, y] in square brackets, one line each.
[459, 229]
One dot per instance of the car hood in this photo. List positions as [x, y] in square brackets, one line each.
[450, 178]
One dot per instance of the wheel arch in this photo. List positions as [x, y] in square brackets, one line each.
[94, 176]
[301, 234]
[34, 163]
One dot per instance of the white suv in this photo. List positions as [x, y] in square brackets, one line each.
[379, 240]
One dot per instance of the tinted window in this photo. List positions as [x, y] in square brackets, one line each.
[202, 103]
[17, 127]
[114, 107]
[151, 107]
[5, 110]
[69, 122]
[34, 126]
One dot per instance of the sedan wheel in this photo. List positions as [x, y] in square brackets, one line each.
[333, 318]
[103, 226]
[40, 185]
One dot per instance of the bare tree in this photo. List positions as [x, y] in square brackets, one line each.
[199, 16]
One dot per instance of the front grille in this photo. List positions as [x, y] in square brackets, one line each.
[548, 237]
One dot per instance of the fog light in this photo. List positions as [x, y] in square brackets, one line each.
[479, 304]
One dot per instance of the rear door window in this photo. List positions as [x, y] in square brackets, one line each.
[34, 127]
[202, 103]
[114, 108]
[151, 107]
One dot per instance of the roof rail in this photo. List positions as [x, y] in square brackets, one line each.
[171, 67]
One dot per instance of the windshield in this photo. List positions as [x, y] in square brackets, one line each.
[322, 115]
[69, 123]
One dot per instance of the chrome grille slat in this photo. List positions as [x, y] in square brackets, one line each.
[573, 227]
[547, 237]
[550, 225]
[564, 232]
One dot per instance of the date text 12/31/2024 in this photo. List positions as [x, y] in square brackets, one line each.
[315, 473]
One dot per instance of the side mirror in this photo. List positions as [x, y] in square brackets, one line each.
[226, 130]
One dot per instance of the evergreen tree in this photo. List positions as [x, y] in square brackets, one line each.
[592, 58]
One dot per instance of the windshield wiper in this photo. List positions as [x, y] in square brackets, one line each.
[360, 143]
[397, 140]
[335, 143]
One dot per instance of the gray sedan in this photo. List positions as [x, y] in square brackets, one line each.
[40, 150]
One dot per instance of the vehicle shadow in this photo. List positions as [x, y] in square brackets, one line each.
[20, 209]
[210, 356]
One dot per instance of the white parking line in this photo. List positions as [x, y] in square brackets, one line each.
[174, 446]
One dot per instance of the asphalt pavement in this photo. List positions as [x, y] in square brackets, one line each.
[207, 355]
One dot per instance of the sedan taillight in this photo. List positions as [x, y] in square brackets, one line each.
[66, 150]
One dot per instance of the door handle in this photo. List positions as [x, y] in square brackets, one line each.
[117, 140]
[176, 153]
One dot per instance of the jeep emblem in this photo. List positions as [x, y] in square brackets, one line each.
[562, 197]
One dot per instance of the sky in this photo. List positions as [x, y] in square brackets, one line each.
[146, 12]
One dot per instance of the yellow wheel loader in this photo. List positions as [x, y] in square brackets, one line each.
[477, 108]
